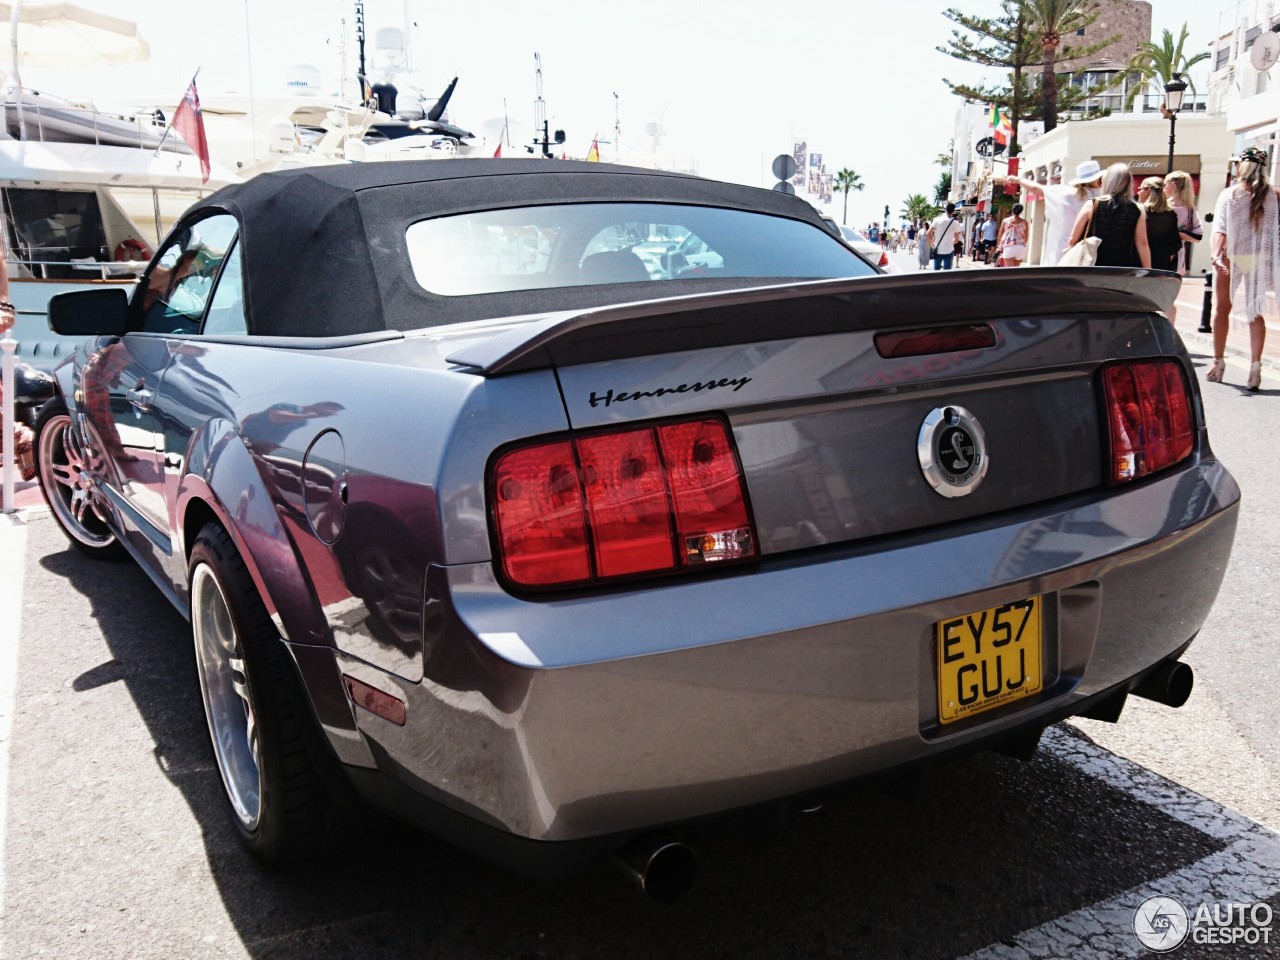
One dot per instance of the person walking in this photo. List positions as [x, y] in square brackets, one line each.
[922, 245]
[1062, 203]
[1162, 225]
[1182, 198]
[942, 235]
[989, 227]
[1117, 221]
[1012, 242]
[1246, 260]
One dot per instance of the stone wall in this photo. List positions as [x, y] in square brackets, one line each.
[1129, 18]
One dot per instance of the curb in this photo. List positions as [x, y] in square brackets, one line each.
[1203, 343]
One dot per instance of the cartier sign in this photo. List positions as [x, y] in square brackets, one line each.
[1148, 166]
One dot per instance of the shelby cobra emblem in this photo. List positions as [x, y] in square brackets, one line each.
[952, 451]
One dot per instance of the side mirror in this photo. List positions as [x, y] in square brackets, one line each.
[89, 313]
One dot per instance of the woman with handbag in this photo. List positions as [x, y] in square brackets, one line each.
[1246, 262]
[1118, 223]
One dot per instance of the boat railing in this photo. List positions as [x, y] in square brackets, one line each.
[77, 269]
[66, 120]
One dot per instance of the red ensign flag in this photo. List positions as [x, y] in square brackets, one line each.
[189, 122]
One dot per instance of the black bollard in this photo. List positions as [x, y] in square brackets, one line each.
[1207, 310]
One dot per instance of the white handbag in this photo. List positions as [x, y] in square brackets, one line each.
[1083, 253]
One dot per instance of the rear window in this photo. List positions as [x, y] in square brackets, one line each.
[573, 245]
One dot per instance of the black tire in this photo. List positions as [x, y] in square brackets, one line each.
[277, 799]
[68, 472]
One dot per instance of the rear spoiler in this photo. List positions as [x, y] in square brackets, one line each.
[813, 309]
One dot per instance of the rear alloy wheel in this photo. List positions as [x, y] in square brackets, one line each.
[69, 472]
[278, 802]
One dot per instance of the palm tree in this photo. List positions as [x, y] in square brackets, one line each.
[917, 207]
[845, 181]
[1051, 19]
[1156, 65]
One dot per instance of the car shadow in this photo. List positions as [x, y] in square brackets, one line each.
[986, 847]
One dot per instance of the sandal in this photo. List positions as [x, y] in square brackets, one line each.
[1215, 372]
[1255, 376]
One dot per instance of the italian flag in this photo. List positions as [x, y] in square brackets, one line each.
[1000, 124]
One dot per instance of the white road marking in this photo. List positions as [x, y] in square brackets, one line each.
[1247, 870]
[13, 556]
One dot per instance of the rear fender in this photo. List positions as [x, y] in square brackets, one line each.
[223, 478]
[223, 481]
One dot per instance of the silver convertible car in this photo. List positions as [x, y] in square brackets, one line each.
[490, 510]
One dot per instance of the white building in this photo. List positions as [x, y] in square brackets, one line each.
[1241, 82]
[1202, 149]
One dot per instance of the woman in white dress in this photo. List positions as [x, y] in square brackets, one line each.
[1246, 262]
[1062, 204]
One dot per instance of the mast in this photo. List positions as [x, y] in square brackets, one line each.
[360, 72]
[540, 108]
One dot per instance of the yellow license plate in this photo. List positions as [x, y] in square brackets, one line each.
[989, 658]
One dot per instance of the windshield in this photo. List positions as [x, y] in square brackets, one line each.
[571, 245]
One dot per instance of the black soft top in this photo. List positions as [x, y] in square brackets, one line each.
[324, 252]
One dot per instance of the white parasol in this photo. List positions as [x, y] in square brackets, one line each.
[60, 35]
[55, 35]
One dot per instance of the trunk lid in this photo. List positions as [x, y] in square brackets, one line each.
[838, 442]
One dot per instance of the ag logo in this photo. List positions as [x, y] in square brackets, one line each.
[953, 451]
[1161, 923]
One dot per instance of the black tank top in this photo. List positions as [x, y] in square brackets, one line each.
[1114, 222]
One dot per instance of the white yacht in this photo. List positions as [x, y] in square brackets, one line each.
[86, 196]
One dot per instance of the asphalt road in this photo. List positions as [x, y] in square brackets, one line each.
[116, 842]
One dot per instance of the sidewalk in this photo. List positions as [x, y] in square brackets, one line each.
[1190, 305]
[26, 496]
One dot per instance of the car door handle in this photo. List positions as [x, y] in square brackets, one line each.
[140, 397]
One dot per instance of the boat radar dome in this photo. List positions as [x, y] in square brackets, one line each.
[389, 41]
[281, 136]
[303, 79]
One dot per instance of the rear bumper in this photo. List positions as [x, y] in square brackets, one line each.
[600, 715]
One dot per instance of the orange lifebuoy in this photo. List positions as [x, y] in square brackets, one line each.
[131, 249]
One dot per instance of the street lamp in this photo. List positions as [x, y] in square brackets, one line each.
[1173, 93]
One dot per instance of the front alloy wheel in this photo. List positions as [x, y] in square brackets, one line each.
[69, 472]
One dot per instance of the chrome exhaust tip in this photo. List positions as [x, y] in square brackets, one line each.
[1170, 684]
[662, 867]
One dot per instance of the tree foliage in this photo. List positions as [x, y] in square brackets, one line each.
[942, 188]
[1157, 64]
[918, 207]
[1051, 20]
[1025, 40]
[846, 180]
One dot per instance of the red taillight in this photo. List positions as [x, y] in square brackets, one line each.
[628, 502]
[884, 259]
[1148, 416]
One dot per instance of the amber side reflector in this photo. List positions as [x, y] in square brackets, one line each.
[919, 343]
[374, 700]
